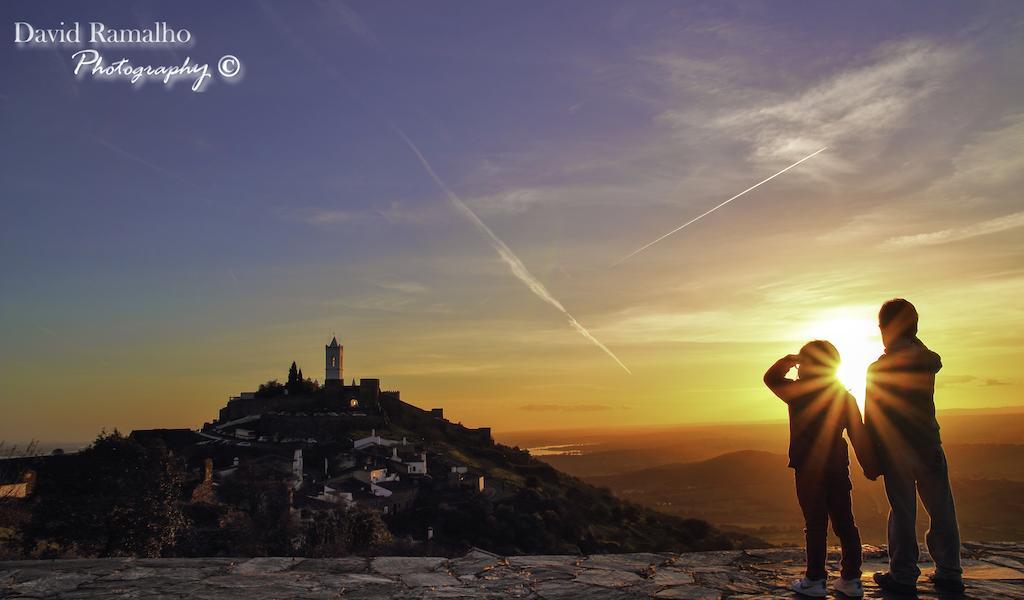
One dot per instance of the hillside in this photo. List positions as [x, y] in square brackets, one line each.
[532, 507]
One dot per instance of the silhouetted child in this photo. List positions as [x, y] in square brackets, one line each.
[819, 410]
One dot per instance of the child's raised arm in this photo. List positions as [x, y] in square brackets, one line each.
[775, 377]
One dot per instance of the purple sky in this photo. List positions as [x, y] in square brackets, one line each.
[194, 243]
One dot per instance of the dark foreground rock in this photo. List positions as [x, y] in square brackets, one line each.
[993, 570]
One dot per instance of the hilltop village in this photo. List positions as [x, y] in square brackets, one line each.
[335, 445]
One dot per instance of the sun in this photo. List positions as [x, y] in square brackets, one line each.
[859, 345]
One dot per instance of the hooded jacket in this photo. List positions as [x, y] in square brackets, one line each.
[899, 410]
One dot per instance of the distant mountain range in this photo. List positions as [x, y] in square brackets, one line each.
[735, 476]
[752, 491]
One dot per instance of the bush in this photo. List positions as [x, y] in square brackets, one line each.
[116, 498]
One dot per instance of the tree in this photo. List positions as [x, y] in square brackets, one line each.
[297, 384]
[344, 531]
[259, 491]
[115, 498]
[365, 529]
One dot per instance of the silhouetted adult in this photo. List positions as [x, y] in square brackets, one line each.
[899, 415]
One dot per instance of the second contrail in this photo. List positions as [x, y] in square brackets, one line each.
[506, 254]
[698, 218]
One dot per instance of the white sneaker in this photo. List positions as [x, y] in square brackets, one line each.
[814, 588]
[848, 587]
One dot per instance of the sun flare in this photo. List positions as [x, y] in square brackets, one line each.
[859, 345]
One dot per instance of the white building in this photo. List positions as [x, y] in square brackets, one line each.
[415, 464]
[375, 440]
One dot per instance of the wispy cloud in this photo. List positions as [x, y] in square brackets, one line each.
[402, 213]
[986, 171]
[859, 227]
[406, 287]
[991, 163]
[957, 234]
[860, 104]
[855, 108]
[329, 216]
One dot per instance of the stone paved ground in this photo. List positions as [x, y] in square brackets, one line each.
[993, 570]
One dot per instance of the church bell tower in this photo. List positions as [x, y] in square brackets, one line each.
[334, 354]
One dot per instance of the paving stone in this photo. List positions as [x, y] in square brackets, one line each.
[870, 566]
[460, 593]
[429, 579]
[993, 572]
[254, 581]
[400, 565]
[268, 564]
[572, 590]
[994, 589]
[672, 577]
[351, 580]
[545, 560]
[514, 586]
[689, 592]
[773, 555]
[51, 585]
[474, 562]
[705, 559]
[333, 565]
[1005, 561]
[734, 583]
[607, 578]
[395, 591]
[624, 562]
[556, 573]
[28, 574]
[170, 575]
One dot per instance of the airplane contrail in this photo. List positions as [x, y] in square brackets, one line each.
[506, 254]
[698, 218]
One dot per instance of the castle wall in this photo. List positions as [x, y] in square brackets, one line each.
[336, 399]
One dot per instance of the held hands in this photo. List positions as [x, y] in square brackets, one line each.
[868, 458]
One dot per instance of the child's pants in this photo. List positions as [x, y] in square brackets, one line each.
[825, 496]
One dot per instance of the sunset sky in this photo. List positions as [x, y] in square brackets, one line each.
[162, 250]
